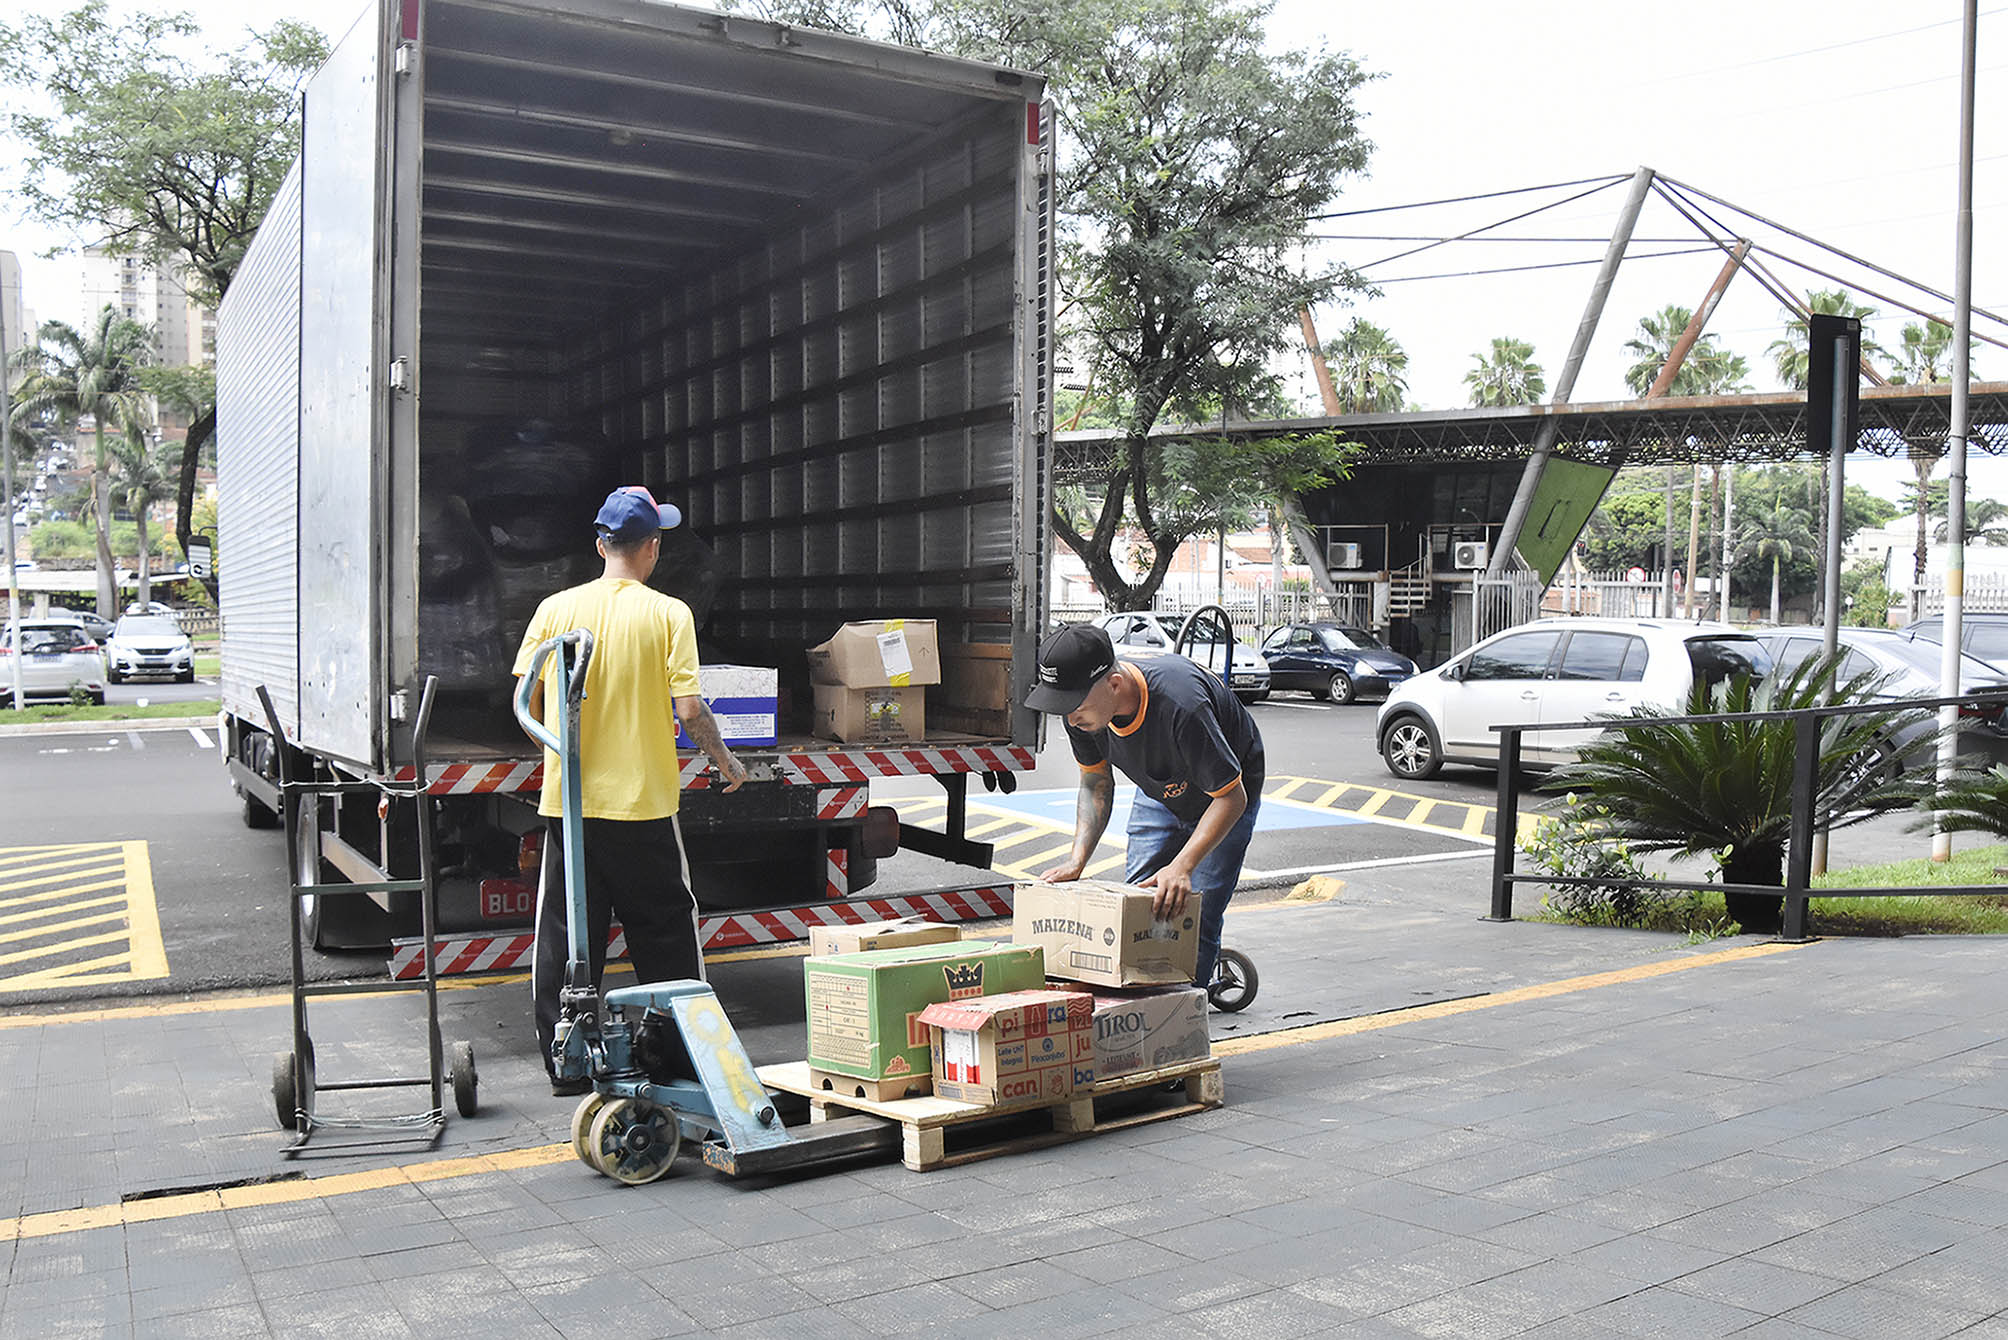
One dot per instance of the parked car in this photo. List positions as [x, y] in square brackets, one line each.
[1248, 673]
[1331, 660]
[57, 657]
[154, 607]
[1980, 634]
[149, 644]
[1911, 666]
[1553, 670]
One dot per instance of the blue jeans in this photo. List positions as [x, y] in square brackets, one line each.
[1156, 835]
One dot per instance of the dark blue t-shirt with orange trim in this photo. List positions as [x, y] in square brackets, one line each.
[1190, 741]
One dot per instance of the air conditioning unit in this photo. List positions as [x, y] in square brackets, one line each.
[1343, 557]
[1469, 554]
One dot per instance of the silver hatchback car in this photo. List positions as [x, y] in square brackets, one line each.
[58, 658]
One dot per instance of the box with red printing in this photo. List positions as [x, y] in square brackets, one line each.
[1017, 1047]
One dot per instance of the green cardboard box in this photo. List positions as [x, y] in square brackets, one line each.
[864, 1008]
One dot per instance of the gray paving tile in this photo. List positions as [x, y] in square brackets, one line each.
[1661, 1311]
[611, 1305]
[1959, 1279]
[1871, 1313]
[1754, 1285]
[920, 1307]
[869, 1275]
[1022, 1282]
[221, 1323]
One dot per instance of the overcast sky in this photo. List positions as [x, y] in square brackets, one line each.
[1838, 118]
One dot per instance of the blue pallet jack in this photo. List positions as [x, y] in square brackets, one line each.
[664, 1061]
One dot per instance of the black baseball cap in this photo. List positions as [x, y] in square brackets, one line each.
[1071, 662]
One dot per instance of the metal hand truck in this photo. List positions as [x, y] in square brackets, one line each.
[1235, 981]
[295, 1082]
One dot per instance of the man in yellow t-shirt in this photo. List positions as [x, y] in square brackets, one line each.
[641, 682]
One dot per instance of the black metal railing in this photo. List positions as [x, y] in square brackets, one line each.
[1799, 843]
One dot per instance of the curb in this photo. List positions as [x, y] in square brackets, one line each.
[112, 727]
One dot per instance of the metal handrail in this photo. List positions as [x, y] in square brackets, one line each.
[1796, 891]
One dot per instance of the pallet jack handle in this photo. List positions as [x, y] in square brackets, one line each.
[575, 653]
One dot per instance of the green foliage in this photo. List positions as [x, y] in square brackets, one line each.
[140, 133]
[1627, 526]
[1865, 597]
[1506, 375]
[60, 539]
[1970, 803]
[1369, 368]
[1788, 355]
[1577, 843]
[1708, 368]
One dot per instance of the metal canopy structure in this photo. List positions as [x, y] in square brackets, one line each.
[1698, 429]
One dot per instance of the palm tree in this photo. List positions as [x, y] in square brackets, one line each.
[1508, 375]
[143, 474]
[1708, 369]
[1789, 355]
[1918, 358]
[90, 375]
[1986, 522]
[1369, 368]
[1777, 534]
[1726, 786]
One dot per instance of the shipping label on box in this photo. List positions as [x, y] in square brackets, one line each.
[1150, 1029]
[864, 1008]
[879, 654]
[887, 716]
[744, 701]
[1019, 1047]
[879, 935]
[1106, 934]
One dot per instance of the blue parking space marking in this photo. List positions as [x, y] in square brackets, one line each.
[1057, 807]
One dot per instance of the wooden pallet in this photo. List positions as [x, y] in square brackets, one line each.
[926, 1123]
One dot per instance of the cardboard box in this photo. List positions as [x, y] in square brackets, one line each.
[1021, 1047]
[974, 695]
[1106, 934]
[864, 1008]
[744, 701]
[1150, 1029]
[887, 716]
[872, 935]
[879, 654]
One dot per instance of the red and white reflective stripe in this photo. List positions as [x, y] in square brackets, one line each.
[845, 802]
[475, 779]
[861, 765]
[837, 880]
[737, 930]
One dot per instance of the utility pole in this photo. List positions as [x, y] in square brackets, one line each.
[14, 609]
[1326, 390]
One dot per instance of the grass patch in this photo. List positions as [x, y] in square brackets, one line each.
[1919, 914]
[199, 707]
[208, 667]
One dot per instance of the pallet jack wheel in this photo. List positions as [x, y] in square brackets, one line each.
[465, 1079]
[1234, 983]
[633, 1141]
[582, 1127]
[287, 1098]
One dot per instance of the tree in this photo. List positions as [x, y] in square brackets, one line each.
[91, 376]
[1789, 354]
[1777, 534]
[1508, 375]
[1708, 368]
[1369, 368]
[143, 473]
[137, 143]
[1919, 353]
[1986, 518]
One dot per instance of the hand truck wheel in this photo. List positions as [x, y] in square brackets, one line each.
[466, 1080]
[1234, 983]
[633, 1141]
[288, 1099]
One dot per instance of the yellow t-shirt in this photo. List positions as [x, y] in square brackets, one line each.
[644, 655]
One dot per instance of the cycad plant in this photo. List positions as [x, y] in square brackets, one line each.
[1725, 787]
[1970, 803]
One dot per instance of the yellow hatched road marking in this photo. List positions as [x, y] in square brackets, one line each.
[1474, 819]
[1375, 802]
[1330, 794]
[116, 868]
[14, 917]
[60, 891]
[12, 875]
[1288, 790]
[58, 927]
[54, 1223]
[1420, 813]
[21, 857]
[82, 973]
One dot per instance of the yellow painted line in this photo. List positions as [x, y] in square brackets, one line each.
[11, 856]
[54, 1223]
[1421, 812]
[149, 949]
[57, 1222]
[1287, 790]
[62, 880]
[993, 826]
[67, 866]
[1035, 833]
[58, 927]
[1096, 869]
[17, 917]
[1331, 793]
[1474, 820]
[1374, 804]
[85, 972]
[1340, 1028]
[23, 955]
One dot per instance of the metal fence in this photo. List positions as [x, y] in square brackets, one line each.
[1986, 592]
[1797, 889]
[1255, 611]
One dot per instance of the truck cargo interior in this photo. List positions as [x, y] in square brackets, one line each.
[786, 291]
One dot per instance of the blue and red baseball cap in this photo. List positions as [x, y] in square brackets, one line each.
[632, 513]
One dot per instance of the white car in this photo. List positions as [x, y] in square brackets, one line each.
[57, 658]
[1146, 631]
[149, 644]
[1554, 670]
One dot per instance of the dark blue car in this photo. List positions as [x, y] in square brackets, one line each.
[1330, 660]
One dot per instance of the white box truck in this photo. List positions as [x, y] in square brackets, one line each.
[796, 283]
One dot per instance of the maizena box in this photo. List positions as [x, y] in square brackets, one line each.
[1106, 934]
[879, 935]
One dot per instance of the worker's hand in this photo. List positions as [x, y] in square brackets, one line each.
[731, 769]
[1173, 885]
[1062, 874]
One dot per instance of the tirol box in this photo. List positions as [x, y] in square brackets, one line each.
[744, 700]
[1149, 1029]
[879, 654]
[1106, 934]
[1021, 1047]
[889, 716]
[864, 1008]
[879, 935]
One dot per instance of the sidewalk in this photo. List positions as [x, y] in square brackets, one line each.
[1435, 1126]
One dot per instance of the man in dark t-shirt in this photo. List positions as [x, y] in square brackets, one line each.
[1175, 730]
